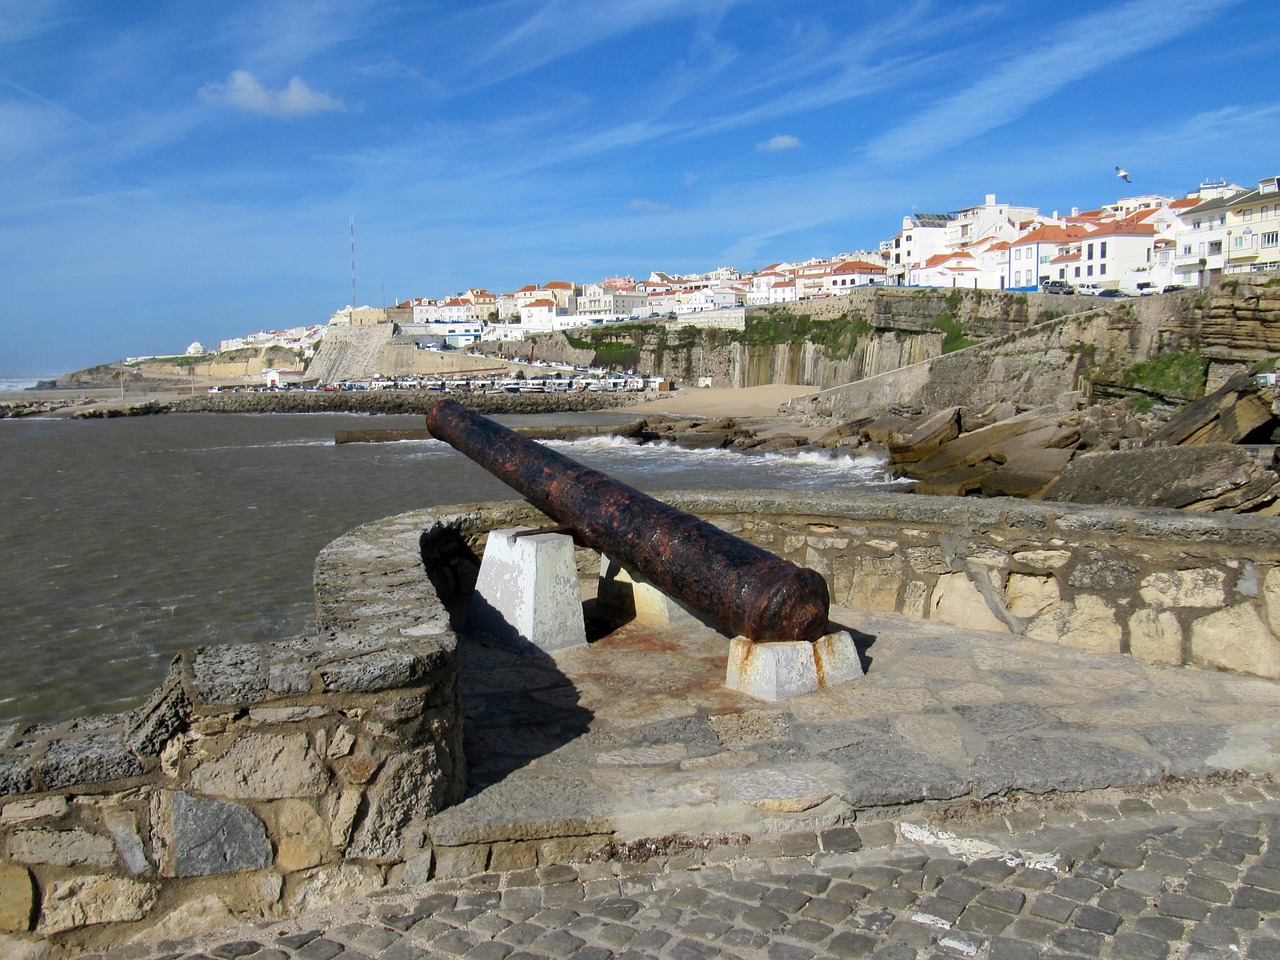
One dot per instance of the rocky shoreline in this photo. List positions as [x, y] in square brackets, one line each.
[1217, 453]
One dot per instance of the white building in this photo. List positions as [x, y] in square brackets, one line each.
[598, 301]
[1253, 229]
[922, 236]
[844, 276]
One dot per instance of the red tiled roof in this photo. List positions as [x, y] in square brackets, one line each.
[1128, 228]
[857, 266]
[1052, 234]
[540, 303]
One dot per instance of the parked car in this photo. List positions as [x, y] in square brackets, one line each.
[1112, 293]
[1056, 286]
[1171, 287]
[1146, 288]
[1089, 289]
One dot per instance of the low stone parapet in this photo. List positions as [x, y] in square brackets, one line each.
[259, 779]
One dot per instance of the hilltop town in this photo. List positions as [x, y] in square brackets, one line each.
[1134, 246]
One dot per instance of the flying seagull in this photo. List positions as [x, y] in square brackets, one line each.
[1123, 174]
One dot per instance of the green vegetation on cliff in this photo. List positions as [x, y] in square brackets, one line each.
[838, 336]
[620, 346]
[953, 337]
[1181, 374]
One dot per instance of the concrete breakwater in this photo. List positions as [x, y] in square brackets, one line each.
[261, 779]
[364, 401]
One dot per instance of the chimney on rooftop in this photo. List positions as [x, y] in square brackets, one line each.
[991, 199]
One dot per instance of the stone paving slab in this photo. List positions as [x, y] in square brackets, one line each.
[636, 734]
[1184, 871]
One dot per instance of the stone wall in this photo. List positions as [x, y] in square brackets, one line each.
[262, 779]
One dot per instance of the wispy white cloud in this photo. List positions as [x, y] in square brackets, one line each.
[1009, 91]
[783, 141]
[245, 92]
[648, 206]
[284, 34]
[554, 29]
[23, 19]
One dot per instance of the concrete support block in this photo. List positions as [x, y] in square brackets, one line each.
[622, 596]
[527, 596]
[776, 671]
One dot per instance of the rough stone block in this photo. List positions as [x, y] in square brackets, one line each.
[1184, 588]
[20, 811]
[230, 673]
[17, 898]
[85, 901]
[411, 786]
[371, 672]
[1086, 623]
[1236, 639]
[956, 599]
[164, 714]
[263, 767]
[1155, 636]
[66, 848]
[527, 596]
[78, 760]
[123, 827]
[209, 837]
[775, 671]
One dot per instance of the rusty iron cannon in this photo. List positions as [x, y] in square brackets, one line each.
[734, 584]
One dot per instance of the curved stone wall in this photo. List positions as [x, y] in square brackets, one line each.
[265, 778]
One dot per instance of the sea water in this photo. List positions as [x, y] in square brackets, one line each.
[123, 541]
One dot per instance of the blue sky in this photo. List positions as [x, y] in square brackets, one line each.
[182, 171]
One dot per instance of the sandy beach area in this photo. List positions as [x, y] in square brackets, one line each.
[751, 402]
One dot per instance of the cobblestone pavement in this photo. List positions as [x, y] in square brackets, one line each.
[1190, 871]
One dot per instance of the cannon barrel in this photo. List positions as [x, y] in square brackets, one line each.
[734, 584]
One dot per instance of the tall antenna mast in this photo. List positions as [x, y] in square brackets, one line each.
[353, 263]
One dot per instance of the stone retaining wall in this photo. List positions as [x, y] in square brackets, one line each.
[265, 778]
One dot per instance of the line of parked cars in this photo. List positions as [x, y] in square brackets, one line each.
[1143, 289]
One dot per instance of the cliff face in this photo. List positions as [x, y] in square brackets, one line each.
[1239, 320]
[821, 343]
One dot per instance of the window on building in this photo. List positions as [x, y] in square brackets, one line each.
[1088, 251]
[1270, 239]
[1186, 249]
[1102, 250]
[1102, 269]
[1077, 272]
[1089, 273]
[1195, 224]
[1248, 215]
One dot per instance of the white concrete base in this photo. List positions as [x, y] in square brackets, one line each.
[621, 595]
[776, 671]
[527, 595]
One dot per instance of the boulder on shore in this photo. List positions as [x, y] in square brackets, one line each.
[1200, 477]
